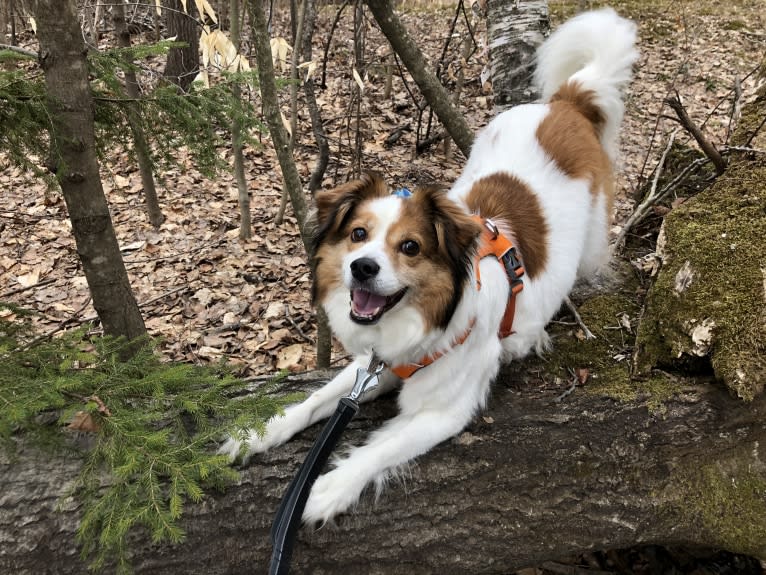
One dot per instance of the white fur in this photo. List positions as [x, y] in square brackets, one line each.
[438, 401]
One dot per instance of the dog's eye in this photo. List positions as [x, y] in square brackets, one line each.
[410, 248]
[358, 235]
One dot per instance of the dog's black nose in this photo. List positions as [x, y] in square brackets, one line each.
[364, 269]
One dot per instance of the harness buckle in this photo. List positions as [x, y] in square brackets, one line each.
[514, 269]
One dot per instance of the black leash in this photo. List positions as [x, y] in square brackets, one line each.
[288, 517]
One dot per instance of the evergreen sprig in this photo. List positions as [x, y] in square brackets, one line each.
[199, 121]
[152, 427]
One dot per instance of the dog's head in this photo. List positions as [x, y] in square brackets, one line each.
[385, 263]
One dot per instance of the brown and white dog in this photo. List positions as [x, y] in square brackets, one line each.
[405, 277]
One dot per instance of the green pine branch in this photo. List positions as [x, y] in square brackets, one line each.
[154, 426]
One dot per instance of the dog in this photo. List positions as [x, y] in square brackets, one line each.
[427, 280]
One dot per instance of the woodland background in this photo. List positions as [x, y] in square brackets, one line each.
[208, 294]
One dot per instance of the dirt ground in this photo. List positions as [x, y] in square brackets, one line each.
[208, 295]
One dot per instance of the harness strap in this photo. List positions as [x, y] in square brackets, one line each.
[406, 370]
[492, 243]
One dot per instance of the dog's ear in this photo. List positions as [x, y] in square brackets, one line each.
[456, 231]
[335, 206]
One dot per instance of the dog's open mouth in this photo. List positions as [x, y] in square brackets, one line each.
[368, 307]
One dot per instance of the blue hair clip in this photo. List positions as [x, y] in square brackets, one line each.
[402, 193]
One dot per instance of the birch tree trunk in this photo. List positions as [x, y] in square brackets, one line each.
[515, 30]
[62, 58]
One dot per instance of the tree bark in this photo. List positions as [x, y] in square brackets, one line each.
[515, 30]
[183, 63]
[62, 58]
[141, 146]
[434, 93]
[531, 479]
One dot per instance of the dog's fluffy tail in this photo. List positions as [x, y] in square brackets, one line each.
[593, 52]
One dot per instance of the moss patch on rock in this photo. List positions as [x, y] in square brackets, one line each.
[709, 300]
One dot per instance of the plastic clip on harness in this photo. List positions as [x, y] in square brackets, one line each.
[288, 517]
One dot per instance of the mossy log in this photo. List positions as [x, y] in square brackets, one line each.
[707, 305]
[534, 477]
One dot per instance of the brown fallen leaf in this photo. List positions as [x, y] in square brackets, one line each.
[290, 356]
[84, 421]
[582, 374]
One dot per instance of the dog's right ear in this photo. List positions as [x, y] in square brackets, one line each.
[334, 207]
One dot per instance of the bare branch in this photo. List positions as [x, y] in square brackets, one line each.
[708, 148]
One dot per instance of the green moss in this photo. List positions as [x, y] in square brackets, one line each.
[735, 25]
[729, 505]
[716, 242]
[607, 357]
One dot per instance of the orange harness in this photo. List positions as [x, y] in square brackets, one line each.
[492, 243]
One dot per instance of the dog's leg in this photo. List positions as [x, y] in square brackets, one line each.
[401, 439]
[319, 405]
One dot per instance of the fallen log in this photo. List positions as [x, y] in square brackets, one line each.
[531, 479]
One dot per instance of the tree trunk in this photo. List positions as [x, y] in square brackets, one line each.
[141, 146]
[183, 63]
[434, 93]
[311, 103]
[324, 334]
[243, 194]
[515, 31]
[531, 479]
[273, 118]
[62, 58]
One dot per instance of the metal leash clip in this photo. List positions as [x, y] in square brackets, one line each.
[368, 378]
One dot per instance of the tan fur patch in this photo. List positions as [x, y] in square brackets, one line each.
[570, 135]
[504, 198]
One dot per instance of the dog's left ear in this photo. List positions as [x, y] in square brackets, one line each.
[456, 231]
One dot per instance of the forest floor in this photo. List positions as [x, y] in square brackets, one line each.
[208, 295]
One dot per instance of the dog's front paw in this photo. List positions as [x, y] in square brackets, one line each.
[278, 430]
[233, 446]
[332, 494]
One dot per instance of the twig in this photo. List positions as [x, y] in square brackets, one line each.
[329, 41]
[62, 324]
[650, 198]
[174, 257]
[571, 307]
[303, 336]
[730, 149]
[163, 296]
[567, 391]
[736, 107]
[755, 132]
[709, 149]
[25, 288]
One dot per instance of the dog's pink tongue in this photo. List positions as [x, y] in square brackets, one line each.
[366, 303]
